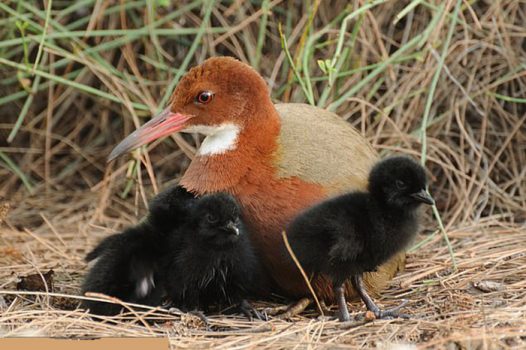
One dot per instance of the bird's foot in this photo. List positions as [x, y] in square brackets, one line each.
[357, 283]
[250, 311]
[389, 314]
[289, 311]
[201, 316]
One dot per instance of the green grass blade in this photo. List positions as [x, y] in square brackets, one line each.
[425, 120]
[261, 33]
[381, 67]
[284, 46]
[509, 98]
[209, 5]
[81, 87]
[25, 109]
[412, 5]
[44, 32]
[9, 164]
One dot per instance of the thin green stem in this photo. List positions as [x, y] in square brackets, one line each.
[284, 46]
[343, 30]
[262, 32]
[509, 98]
[25, 109]
[9, 164]
[426, 118]
[209, 4]
[412, 5]
[44, 32]
[381, 67]
[81, 87]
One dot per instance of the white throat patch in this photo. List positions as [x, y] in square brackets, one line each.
[219, 139]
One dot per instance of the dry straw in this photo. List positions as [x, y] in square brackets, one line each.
[444, 77]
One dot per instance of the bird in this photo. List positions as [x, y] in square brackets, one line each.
[129, 264]
[214, 264]
[169, 209]
[354, 233]
[275, 159]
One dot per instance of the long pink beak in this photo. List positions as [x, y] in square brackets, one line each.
[161, 125]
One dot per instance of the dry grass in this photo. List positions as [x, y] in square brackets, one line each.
[95, 83]
[446, 307]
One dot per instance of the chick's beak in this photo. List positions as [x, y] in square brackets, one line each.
[163, 124]
[233, 228]
[424, 197]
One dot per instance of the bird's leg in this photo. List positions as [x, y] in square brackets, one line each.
[357, 283]
[251, 311]
[343, 312]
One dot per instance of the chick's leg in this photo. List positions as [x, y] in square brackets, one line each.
[357, 283]
[339, 291]
[249, 311]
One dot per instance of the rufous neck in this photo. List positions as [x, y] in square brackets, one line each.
[255, 146]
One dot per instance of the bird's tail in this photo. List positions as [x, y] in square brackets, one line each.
[107, 244]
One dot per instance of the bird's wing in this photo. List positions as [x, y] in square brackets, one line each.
[320, 147]
[345, 249]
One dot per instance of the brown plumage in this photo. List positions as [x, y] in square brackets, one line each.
[275, 159]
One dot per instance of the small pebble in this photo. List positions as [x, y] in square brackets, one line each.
[369, 316]
[488, 286]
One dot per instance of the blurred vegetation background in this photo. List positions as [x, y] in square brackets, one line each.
[444, 80]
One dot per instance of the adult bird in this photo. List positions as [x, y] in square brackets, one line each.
[276, 160]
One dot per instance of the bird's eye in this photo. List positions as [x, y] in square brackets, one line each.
[211, 218]
[401, 185]
[204, 97]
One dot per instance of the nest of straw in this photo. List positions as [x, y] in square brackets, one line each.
[482, 303]
[444, 80]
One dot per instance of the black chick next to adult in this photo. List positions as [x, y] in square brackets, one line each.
[354, 233]
[129, 264]
[194, 252]
[215, 263]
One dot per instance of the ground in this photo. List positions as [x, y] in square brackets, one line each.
[481, 304]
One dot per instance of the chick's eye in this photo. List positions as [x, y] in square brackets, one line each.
[400, 185]
[211, 218]
[204, 97]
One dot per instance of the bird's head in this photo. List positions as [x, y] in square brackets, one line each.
[217, 218]
[170, 207]
[399, 182]
[216, 98]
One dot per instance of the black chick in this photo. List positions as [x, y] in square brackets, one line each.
[348, 235]
[128, 265]
[216, 264]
